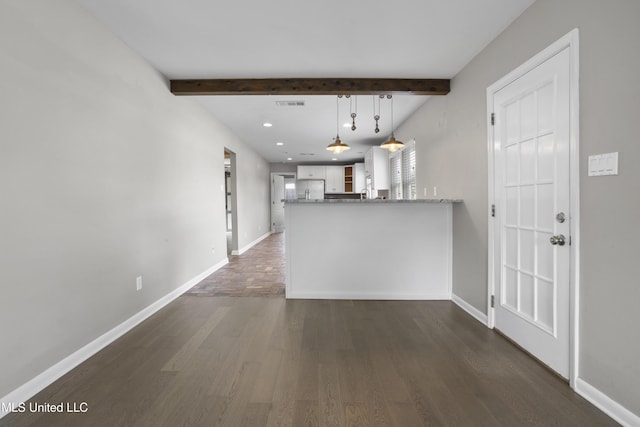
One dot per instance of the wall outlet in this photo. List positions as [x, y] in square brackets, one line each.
[138, 283]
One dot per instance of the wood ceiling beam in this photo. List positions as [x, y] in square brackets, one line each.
[336, 86]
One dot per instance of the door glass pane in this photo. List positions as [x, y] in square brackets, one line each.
[526, 295]
[510, 289]
[526, 251]
[511, 167]
[528, 116]
[527, 206]
[512, 120]
[545, 210]
[511, 247]
[545, 304]
[545, 255]
[545, 108]
[511, 205]
[545, 158]
[528, 161]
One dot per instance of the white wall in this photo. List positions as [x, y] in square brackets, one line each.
[104, 176]
[283, 167]
[451, 139]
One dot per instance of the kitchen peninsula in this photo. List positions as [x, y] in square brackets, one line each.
[369, 249]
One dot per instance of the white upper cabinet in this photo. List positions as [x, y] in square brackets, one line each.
[334, 179]
[358, 178]
[311, 172]
[376, 167]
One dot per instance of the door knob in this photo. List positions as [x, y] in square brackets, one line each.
[557, 240]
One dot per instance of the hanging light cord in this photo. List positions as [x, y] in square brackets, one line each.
[353, 114]
[337, 118]
[376, 117]
[391, 97]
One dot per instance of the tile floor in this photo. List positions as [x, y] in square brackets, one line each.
[259, 272]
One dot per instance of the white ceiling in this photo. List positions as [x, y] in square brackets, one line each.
[297, 38]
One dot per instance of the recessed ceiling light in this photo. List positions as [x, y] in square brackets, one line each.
[267, 124]
[289, 158]
[334, 159]
[346, 125]
[279, 143]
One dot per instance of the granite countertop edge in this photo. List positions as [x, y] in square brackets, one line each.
[369, 201]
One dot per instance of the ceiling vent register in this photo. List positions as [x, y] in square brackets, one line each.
[290, 103]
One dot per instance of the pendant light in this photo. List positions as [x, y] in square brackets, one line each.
[392, 144]
[337, 147]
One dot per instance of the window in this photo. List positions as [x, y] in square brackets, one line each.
[402, 167]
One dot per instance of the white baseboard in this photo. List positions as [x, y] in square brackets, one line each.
[480, 316]
[250, 245]
[367, 296]
[607, 405]
[46, 378]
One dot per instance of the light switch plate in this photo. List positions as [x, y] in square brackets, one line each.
[603, 164]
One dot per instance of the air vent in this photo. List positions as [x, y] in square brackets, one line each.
[290, 103]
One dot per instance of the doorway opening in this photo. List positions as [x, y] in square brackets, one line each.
[230, 191]
[283, 187]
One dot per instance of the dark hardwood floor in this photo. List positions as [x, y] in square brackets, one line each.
[256, 361]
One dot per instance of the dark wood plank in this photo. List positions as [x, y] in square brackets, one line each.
[303, 86]
[329, 401]
[356, 415]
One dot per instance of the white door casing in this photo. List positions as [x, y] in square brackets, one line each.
[533, 156]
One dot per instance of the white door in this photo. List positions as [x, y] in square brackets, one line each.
[532, 224]
[277, 204]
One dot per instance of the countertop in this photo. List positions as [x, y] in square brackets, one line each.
[369, 201]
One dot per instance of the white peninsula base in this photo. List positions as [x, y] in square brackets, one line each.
[345, 249]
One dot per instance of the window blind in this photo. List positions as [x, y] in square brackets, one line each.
[395, 169]
[402, 168]
[409, 171]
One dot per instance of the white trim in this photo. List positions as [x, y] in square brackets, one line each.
[252, 244]
[449, 249]
[569, 41]
[477, 314]
[607, 405]
[369, 296]
[574, 176]
[46, 378]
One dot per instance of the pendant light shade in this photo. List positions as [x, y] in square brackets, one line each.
[337, 146]
[392, 144]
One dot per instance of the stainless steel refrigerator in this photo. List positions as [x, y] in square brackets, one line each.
[310, 189]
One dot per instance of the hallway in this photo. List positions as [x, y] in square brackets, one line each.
[258, 272]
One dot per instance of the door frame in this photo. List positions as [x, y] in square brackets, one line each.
[569, 41]
[234, 202]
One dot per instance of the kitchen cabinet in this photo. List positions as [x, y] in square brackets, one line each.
[348, 179]
[358, 178]
[311, 172]
[376, 168]
[334, 179]
[354, 178]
